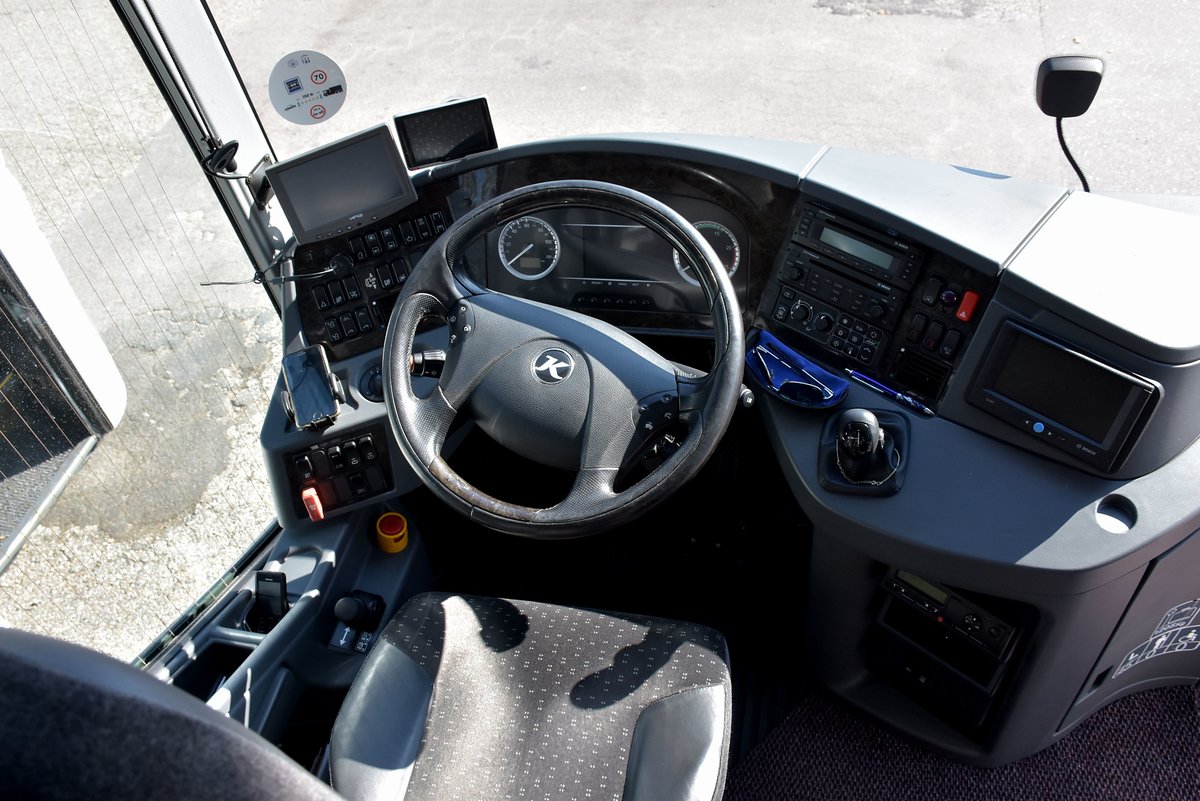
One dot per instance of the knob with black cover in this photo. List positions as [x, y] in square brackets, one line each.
[360, 610]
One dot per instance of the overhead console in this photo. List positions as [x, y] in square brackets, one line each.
[870, 299]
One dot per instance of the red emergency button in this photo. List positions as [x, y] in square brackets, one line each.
[391, 532]
[966, 309]
[312, 502]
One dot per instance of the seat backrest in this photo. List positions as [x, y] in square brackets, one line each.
[75, 723]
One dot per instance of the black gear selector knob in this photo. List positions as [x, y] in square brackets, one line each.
[859, 433]
[359, 610]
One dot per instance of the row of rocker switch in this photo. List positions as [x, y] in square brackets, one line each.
[934, 336]
[382, 279]
[374, 244]
[335, 293]
[336, 475]
[323, 463]
[348, 324]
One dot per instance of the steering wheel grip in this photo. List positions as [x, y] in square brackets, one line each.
[614, 369]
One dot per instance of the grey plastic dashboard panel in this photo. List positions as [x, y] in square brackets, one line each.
[1172, 426]
[976, 217]
[992, 515]
[1124, 270]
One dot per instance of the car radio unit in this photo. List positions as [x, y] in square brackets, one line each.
[871, 252]
[899, 312]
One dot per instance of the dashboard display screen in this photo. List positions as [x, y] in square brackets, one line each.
[1062, 386]
[446, 132]
[856, 248]
[343, 185]
[1068, 400]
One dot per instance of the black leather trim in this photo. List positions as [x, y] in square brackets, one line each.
[378, 731]
[78, 724]
[679, 747]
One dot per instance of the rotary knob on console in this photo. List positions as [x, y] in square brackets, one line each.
[801, 312]
[876, 311]
[823, 322]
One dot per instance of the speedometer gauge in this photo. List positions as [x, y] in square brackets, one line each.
[529, 248]
[723, 242]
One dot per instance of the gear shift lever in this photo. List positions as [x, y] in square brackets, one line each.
[859, 434]
[864, 455]
[862, 452]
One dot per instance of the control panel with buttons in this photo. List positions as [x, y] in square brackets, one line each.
[960, 617]
[876, 303]
[334, 474]
[356, 278]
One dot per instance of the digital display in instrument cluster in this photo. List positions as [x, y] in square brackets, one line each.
[593, 259]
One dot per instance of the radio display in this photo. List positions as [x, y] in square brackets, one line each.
[856, 248]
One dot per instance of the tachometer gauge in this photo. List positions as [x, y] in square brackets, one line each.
[529, 248]
[723, 242]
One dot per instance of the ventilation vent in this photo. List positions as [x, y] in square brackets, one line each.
[921, 374]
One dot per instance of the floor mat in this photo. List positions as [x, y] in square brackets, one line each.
[1146, 746]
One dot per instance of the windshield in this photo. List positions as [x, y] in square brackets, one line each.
[943, 80]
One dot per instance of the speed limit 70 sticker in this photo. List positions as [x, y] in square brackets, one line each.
[307, 87]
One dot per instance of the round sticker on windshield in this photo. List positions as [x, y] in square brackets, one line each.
[307, 87]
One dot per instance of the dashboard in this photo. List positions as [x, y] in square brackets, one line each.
[1050, 497]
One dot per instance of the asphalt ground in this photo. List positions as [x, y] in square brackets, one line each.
[171, 498]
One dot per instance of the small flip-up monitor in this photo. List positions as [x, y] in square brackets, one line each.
[446, 132]
[341, 186]
[1063, 397]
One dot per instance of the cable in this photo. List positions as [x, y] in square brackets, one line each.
[1067, 151]
[261, 277]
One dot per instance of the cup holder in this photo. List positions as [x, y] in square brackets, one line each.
[1116, 514]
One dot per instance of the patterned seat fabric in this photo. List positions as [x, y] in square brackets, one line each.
[535, 701]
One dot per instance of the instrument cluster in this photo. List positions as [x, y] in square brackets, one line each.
[593, 259]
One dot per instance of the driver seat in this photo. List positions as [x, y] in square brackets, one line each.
[470, 698]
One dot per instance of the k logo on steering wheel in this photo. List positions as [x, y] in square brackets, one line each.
[553, 366]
